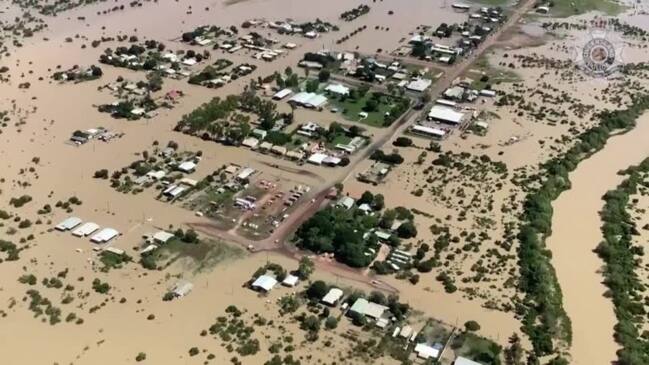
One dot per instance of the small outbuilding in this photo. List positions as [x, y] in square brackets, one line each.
[68, 224]
[332, 297]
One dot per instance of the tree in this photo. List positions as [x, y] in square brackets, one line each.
[324, 75]
[366, 198]
[305, 268]
[312, 85]
[407, 230]
[317, 290]
[514, 353]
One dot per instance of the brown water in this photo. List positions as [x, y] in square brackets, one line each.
[576, 232]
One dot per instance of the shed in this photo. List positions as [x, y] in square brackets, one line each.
[428, 131]
[282, 94]
[68, 224]
[419, 85]
[345, 202]
[86, 229]
[114, 250]
[250, 142]
[290, 281]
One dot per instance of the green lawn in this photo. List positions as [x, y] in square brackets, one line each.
[350, 109]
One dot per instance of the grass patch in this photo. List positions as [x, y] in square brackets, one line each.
[196, 257]
[577, 7]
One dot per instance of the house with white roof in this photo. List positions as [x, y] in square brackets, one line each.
[264, 283]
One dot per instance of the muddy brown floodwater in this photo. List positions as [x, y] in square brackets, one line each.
[576, 233]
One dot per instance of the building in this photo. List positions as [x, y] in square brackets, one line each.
[245, 174]
[114, 251]
[345, 202]
[290, 281]
[282, 94]
[104, 235]
[187, 167]
[454, 93]
[68, 224]
[427, 131]
[368, 309]
[332, 297]
[250, 142]
[419, 85]
[337, 89]
[264, 283]
[182, 288]
[488, 93]
[317, 158]
[86, 229]
[162, 237]
[426, 352]
[308, 100]
[445, 115]
[464, 361]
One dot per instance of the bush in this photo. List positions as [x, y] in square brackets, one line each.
[331, 323]
[101, 174]
[402, 142]
[140, 357]
[472, 326]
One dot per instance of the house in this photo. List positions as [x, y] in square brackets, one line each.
[332, 297]
[308, 100]
[482, 125]
[187, 167]
[445, 115]
[104, 235]
[250, 142]
[182, 288]
[86, 229]
[279, 150]
[308, 129]
[454, 93]
[425, 351]
[68, 224]
[295, 155]
[290, 281]
[345, 202]
[156, 175]
[368, 309]
[264, 283]
[419, 85]
[337, 89]
[173, 191]
[317, 158]
[464, 361]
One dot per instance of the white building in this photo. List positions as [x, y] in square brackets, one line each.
[104, 235]
[282, 94]
[265, 283]
[337, 89]
[464, 361]
[68, 224]
[419, 85]
[332, 297]
[426, 352]
[445, 115]
[86, 229]
[427, 131]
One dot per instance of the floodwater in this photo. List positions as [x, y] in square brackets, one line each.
[576, 233]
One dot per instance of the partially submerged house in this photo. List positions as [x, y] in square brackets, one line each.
[68, 224]
[264, 283]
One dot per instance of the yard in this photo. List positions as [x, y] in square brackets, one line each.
[195, 257]
[381, 109]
